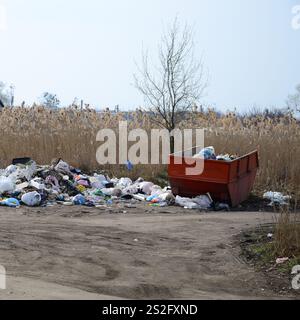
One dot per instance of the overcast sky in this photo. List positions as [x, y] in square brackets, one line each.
[87, 49]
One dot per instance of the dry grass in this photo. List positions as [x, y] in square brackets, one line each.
[44, 134]
[69, 133]
[287, 235]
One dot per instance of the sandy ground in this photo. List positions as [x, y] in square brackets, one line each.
[164, 253]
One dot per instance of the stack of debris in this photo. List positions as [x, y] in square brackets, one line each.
[24, 182]
[210, 154]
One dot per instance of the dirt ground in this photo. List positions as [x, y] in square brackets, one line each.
[130, 253]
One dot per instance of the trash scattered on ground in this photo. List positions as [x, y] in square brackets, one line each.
[26, 183]
[296, 279]
[221, 207]
[281, 260]
[202, 202]
[276, 198]
[295, 269]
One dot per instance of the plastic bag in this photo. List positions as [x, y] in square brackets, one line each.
[207, 153]
[32, 199]
[108, 191]
[131, 190]
[6, 185]
[124, 183]
[79, 200]
[146, 187]
[276, 197]
[98, 181]
[201, 202]
[53, 182]
[21, 171]
[186, 203]
[156, 190]
[129, 165]
[167, 197]
[9, 170]
[64, 168]
[37, 183]
[10, 202]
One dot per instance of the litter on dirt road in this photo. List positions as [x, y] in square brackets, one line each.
[226, 180]
[26, 183]
[276, 198]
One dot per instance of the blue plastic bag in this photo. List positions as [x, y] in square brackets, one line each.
[11, 202]
[79, 200]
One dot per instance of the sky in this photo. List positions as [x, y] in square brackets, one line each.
[89, 49]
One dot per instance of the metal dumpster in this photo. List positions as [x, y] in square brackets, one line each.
[226, 181]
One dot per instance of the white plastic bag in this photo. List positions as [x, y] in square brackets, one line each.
[9, 170]
[156, 190]
[108, 191]
[201, 202]
[276, 197]
[6, 185]
[21, 171]
[31, 199]
[37, 183]
[130, 190]
[98, 181]
[167, 197]
[124, 183]
[186, 203]
[146, 187]
[63, 167]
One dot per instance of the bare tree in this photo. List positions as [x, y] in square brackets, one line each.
[293, 101]
[174, 86]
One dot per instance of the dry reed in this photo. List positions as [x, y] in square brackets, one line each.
[70, 133]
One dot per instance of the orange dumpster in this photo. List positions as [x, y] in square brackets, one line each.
[226, 181]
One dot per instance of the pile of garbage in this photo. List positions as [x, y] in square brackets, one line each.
[26, 183]
[210, 154]
[276, 198]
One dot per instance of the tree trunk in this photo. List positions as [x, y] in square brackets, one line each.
[172, 144]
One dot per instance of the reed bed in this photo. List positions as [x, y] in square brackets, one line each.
[70, 133]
